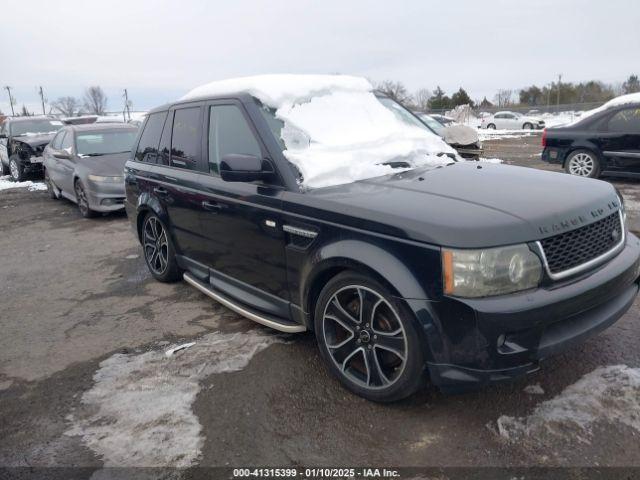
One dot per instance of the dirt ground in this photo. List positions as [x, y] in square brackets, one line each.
[78, 308]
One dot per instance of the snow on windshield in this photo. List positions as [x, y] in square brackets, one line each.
[335, 129]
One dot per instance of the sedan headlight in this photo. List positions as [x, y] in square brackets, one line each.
[491, 271]
[102, 179]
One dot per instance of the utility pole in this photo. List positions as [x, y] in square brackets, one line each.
[8, 89]
[126, 105]
[558, 97]
[42, 100]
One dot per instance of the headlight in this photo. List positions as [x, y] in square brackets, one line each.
[100, 178]
[491, 271]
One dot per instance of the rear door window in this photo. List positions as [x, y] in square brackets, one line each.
[229, 132]
[185, 140]
[147, 150]
[625, 121]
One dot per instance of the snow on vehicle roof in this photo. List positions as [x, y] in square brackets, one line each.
[615, 102]
[275, 90]
[334, 129]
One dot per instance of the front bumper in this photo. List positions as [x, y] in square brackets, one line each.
[106, 197]
[493, 339]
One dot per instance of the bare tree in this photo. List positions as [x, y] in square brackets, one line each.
[67, 106]
[504, 98]
[395, 90]
[95, 100]
[421, 99]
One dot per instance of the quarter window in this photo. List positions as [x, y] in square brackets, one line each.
[67, 142]
[148, 145]
[56, 143]
[185, 141]
[229, 133]
[627, 121]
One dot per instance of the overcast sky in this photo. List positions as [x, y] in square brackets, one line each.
[161, 49]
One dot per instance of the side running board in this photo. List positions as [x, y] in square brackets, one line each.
[262, 319]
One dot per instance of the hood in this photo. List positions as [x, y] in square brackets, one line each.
[107, 165]
[35, 140]
[469, 204]
[460, 135]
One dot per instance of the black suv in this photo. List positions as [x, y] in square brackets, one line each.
[465, 274]
[22, 143]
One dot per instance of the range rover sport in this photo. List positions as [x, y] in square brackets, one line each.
[305, 203]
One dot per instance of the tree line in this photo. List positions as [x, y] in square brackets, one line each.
[425, 100]
[93, 102]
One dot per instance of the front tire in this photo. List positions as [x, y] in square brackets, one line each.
[159, 253]
[16, 169]
[368, 338]
[527, 126]
[491, 126]
[583, 163]
[82, 201]
[51, 189]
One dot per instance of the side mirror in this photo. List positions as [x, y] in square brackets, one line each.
[62, 154]
[244, 168]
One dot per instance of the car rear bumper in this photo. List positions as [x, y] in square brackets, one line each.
[553, 155]
[504, 337]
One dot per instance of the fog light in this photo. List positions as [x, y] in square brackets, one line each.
[107, 201]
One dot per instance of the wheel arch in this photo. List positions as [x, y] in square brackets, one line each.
[361, 257]
[147, 204]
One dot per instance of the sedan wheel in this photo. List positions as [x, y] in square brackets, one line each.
[583, 164]
[17, 172]
[527, 126]
[83, 203]
[366, 341]
[491, 126]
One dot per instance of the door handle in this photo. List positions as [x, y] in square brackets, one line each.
[161, 191]
[211, 206]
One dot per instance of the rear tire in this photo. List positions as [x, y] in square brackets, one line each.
[16, 169]
[368, 338]
[583, 163]
[158, 249]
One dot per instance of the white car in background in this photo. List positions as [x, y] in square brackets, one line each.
[512, 121]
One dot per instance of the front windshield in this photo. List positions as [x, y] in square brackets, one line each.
[344, 136]
[35, 127]
[105, 143]
[433, 124]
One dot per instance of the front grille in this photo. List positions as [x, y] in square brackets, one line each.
[576, 247]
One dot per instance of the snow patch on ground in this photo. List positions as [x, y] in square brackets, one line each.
[138, 413]
[487, 134]
[535, 389]
[608, 394]
[6, 183]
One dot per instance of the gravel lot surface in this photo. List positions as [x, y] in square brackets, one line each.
[85, 381]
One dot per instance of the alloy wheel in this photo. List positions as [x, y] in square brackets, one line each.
[582, 164]
[15, 170]
[156, 246]
[365, 337]
[81, 198]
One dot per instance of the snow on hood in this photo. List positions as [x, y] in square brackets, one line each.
[335, 129]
